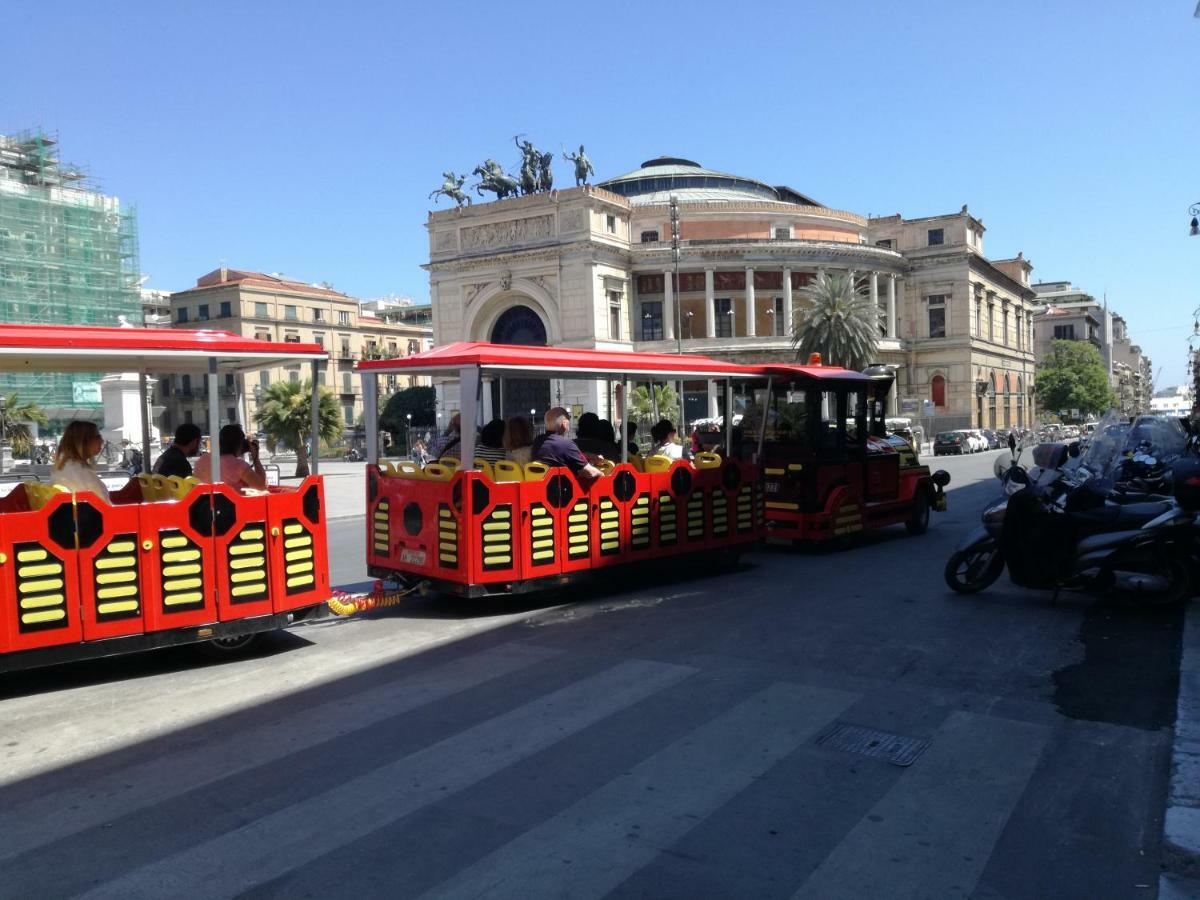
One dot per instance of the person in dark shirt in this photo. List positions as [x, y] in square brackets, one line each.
[554, 448]
[174, 460]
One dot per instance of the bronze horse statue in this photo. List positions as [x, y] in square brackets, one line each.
[452, 188]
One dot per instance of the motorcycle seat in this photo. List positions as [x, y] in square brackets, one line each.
[1104, 541]
[1119, 516]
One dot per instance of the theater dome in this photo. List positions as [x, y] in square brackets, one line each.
[658, 179]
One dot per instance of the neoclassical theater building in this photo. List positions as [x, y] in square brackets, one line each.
[592, 266]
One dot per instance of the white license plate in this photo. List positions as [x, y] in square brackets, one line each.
[413, 557]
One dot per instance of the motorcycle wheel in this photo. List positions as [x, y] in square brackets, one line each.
[970, 571]
[1179, 586]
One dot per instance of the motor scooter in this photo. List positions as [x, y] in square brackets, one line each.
[1060, 527]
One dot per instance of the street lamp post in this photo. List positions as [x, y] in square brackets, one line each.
[675, 259]
[3, 429]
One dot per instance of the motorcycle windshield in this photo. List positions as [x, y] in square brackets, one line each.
[1119, 447]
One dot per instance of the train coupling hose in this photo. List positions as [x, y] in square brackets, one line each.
[346, 604]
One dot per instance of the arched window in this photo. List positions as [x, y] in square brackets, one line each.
[937, 387]
[519, 325]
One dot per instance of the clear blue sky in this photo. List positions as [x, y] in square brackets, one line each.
[305, 137]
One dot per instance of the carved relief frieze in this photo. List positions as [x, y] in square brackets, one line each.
[507, 234]
[445, 242]
[571, 220]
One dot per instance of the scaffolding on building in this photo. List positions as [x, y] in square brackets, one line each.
[68, 256]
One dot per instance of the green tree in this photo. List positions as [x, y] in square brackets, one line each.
[642, 406]
[421, 402]
[285, 414]
[18, 417]
[1073, 376]
[839, 322]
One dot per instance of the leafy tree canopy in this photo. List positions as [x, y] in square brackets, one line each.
[285, 414]
[838, 321]
[420, 401]
[18, 416]
[1073, 376]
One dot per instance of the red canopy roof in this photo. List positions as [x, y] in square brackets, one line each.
[821, 373]
[73, 348]
[447, 360]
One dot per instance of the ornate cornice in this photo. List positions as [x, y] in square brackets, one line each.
[777, 252]
[552, 251]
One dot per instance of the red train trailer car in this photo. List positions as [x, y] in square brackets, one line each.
[830, 469]
[173, 563]
[475, 528]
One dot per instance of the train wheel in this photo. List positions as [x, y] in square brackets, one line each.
[227, 648]
[918, 520]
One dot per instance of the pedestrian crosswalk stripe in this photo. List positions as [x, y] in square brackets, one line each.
[936, 827]
[273, 845]
[662, 797]
[156, 780]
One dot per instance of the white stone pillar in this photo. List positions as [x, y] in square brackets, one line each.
[668, 307]
[710, 305]
[751, 312]
[820, 274]
[891, 306]
[874, 289]
[787, 302]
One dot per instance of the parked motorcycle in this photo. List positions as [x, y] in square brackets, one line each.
[1087, 522]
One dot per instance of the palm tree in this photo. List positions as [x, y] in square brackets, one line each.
[642, 406]
[840, 323]
[285, 414]
[18, 416]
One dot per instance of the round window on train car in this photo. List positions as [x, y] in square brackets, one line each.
[559, 491]
[624, 486]
[681, 481]
[413, 519]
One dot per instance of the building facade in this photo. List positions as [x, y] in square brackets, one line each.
[966, 323]
[593, 266]
[1065, 312]
[68, 256]
[273, 308]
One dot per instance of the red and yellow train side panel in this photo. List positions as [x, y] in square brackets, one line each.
[471, 530]
[79, 569]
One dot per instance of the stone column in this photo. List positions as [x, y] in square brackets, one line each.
[710, 305]
[787, 302]
[891, 306]
[820, 274]
[668, 307]
[750, 310]
[874, 289]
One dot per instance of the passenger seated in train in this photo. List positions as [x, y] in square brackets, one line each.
[663, 440]
[518, 439]
[491, 441]
[590, 437]
[174, 460]
[81, 443]
[235, 471]
[449, 442]
[554, 448]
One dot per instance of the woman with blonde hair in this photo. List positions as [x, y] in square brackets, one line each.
[80, 444]
[518, 439]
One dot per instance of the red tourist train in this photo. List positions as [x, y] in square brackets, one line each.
[167, 561]
[477, 528]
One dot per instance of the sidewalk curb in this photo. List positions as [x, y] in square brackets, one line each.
[1181, 824]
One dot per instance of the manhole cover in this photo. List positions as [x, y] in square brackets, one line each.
[893, 748]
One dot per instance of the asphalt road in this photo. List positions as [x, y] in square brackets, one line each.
[670, 733]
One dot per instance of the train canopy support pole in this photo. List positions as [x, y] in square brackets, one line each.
[144, 391]
[315, 432]
[729, 418]
[370, 386]
[468, 416]
[214, 423]
[762, 425]
[622, 430]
